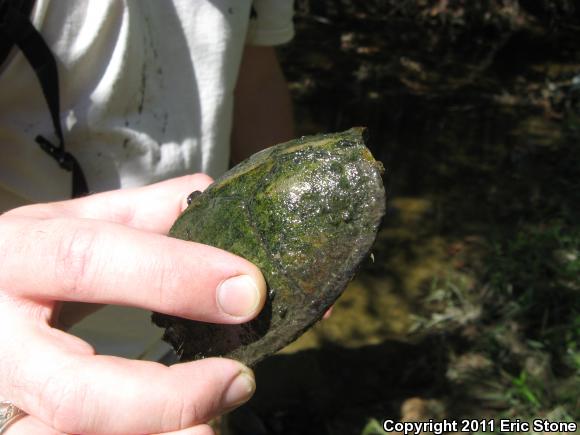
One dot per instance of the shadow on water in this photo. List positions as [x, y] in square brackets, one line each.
[331, 389]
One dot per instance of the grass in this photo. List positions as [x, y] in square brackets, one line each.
[523, 318]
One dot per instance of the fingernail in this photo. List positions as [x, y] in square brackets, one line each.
[241, 389]
[238, 296]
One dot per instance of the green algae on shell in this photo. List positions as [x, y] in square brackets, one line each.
[306, 212]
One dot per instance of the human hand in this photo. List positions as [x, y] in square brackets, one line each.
[111, 248]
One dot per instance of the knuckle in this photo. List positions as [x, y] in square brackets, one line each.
[119, 210]
[186, 412]
[202, 406]
[168, 284]
[73, 257]
[193, 413]
[63, 400]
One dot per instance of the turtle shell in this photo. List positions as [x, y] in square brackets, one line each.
[306, 212]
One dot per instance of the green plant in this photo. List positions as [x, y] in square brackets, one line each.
[535, 278]
[524, 390]
[373, 427]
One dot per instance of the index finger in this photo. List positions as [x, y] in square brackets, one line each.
[150, 208]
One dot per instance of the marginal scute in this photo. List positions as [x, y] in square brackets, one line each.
[306, 212]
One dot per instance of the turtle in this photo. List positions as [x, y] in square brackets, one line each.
[306, 212]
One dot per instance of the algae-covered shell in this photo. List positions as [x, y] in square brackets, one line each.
[306, 212]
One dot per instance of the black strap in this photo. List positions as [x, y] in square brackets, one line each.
[16, 28]
[25, 8]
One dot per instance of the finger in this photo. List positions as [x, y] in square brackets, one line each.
[30, 425]
[99, 262]
[328, 313]
[92, 394]
[203, 429]
[151, 208]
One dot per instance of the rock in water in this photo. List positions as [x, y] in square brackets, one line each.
[306, 212]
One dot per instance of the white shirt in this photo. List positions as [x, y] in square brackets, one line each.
[146, 90]
[146, 93]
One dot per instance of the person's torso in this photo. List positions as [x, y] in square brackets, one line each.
[146, 90]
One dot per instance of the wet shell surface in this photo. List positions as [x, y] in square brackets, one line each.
[306, 212]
